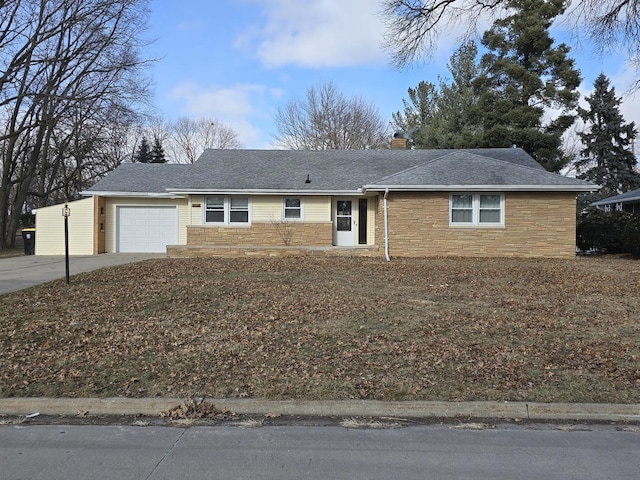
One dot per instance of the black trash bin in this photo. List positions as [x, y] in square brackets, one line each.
[29, 239]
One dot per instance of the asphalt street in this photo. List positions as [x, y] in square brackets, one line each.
[425, 452]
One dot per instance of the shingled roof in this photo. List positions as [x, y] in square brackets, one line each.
[340, 171]
[631, 196]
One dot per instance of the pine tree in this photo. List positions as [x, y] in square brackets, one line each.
[443, 116]
[607, 159]
[143, 155]
[157, 152]
[524, 77]
[457, 101]
[418, 115]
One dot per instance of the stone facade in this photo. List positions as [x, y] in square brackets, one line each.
[186, 251]
[260, 234]
[537, 224]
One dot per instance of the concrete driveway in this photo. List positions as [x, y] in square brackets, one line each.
[26, 271]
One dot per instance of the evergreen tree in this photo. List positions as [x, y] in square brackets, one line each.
[524, 77]
[418, 115]
[607, 159]
[444, 116]
[157, 152]
[457, 102]
[143, 155]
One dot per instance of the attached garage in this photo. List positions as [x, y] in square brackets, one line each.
[82, 234]
[146, 228]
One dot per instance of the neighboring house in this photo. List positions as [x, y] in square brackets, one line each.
[396, 202]
[626, 202]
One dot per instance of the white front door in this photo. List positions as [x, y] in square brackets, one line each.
[344, 223]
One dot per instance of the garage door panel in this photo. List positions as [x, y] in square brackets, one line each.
[146, 229]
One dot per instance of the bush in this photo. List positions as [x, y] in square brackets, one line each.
[609, 232]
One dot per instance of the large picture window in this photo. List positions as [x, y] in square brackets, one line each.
[226, 210]
[476, 209]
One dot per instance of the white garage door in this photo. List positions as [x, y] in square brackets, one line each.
[146, 229]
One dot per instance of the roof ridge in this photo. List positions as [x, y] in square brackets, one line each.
[535, 169]
[415, 166]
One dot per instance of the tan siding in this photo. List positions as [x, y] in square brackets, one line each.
[537, 224]
[266, 209]
[196, 204]
[317, 209]
[50, 229]
[112, 203]
[371, 233]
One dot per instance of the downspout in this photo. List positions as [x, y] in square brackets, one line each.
[386, 226]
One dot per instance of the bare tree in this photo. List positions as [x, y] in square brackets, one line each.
[326, 119]
[66, 67]
[413, 26]
[189, 138]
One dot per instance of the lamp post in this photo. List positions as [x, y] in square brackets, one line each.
[66, 212]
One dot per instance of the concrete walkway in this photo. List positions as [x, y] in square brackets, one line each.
[17, 273]
[336, 408]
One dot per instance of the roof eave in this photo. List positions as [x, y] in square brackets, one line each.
[88, 193]
[261, 191]
[620, 200]
[481, 188]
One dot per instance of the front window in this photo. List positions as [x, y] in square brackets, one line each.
[226, 210]
[476, 209]
[238, 210]
[214, 210]
[293, 209]
[490, 208]
[462, 208]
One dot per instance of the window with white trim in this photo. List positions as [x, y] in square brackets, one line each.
[292, 209]
[469, 209]
[226, 210]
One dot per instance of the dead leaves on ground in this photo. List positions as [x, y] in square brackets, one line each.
[194, 408]
[453, 329]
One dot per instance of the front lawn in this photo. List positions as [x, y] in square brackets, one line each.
[331, 328]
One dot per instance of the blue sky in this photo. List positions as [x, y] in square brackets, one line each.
[238, 60]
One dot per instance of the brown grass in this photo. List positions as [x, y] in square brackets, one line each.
[331, 328]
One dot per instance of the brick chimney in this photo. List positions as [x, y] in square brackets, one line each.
[399, 141]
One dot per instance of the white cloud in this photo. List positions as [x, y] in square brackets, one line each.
[239, 107]
[338, 33]
[317, 33]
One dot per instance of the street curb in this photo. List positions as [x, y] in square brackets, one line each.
[331, 408]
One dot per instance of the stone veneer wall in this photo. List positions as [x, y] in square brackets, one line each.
[537, 224]
[262, 234]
